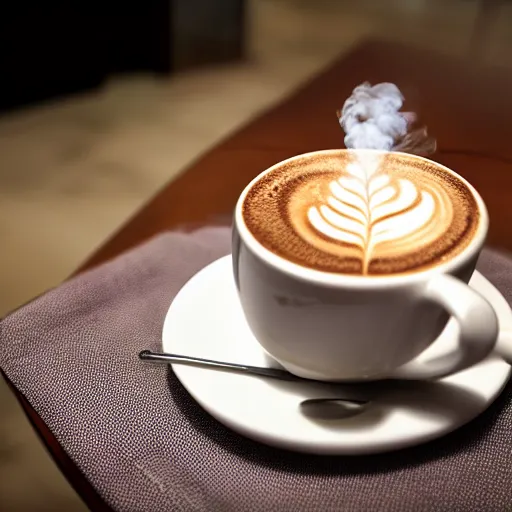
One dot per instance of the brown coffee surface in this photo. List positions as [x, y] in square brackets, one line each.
[362, 213]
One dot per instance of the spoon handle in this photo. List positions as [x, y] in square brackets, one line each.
[275, 373]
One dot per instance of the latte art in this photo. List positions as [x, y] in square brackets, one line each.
[362, 213]
[378, 215]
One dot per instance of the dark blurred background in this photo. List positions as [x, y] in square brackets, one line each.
[51, 49]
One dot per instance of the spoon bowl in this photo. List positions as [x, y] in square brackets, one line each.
[333, 408]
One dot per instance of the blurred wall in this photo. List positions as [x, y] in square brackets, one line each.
[206, 31]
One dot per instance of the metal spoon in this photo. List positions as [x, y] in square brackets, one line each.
[274, 373]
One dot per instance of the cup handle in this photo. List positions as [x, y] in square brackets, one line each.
[478, 333]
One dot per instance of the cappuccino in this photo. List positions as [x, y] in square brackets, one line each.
[362, 212]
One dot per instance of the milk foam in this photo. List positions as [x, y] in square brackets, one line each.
[367, 208]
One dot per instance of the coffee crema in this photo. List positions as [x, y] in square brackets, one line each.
[365, 213]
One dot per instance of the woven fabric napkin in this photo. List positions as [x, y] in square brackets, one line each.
[144, 443]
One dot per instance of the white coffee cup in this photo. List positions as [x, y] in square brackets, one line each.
[336, 327]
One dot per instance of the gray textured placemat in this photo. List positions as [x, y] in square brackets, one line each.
[146, 446]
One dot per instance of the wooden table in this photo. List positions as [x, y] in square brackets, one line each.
[466, 107]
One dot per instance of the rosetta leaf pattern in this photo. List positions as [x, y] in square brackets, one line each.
[366, 208]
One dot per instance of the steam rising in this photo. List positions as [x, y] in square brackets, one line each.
[371, 119]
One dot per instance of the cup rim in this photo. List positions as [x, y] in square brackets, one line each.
[335, 280]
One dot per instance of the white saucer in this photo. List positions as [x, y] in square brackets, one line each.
[206, 320]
